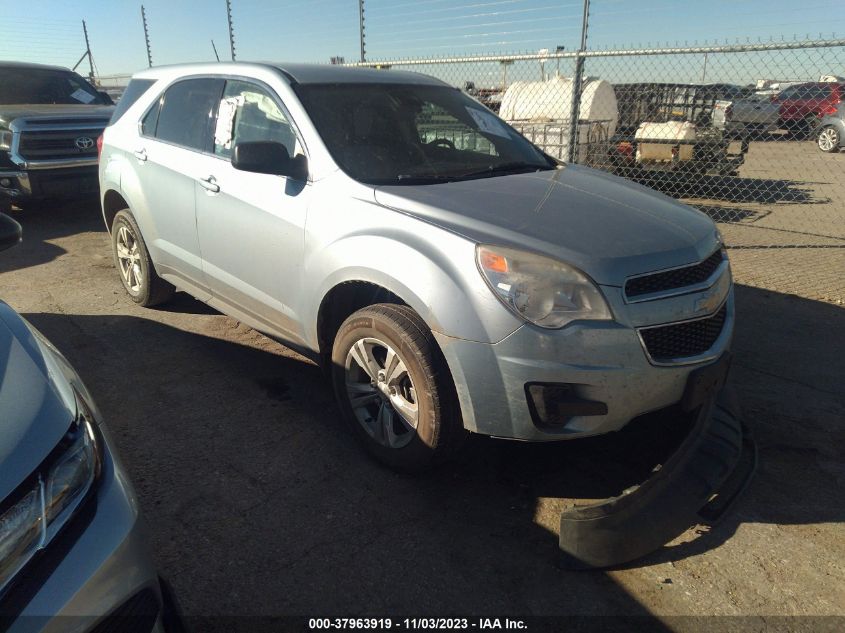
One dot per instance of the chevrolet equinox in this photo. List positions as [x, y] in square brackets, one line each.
[449, 275]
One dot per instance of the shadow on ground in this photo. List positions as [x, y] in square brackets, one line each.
[265, 505]
[49, 220]
[731, 188]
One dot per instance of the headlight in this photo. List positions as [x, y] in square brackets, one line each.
[37, 510]
[5, 140]
[541, 290]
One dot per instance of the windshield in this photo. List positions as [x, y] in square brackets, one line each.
[415, 134]
[39, 86]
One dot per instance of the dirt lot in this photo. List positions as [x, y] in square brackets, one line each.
[259, 502]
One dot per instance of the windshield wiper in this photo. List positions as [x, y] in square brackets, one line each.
[490, 170]
[502, 168]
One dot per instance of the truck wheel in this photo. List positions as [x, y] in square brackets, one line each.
[394, 389]
[134, 264]
[828, 139]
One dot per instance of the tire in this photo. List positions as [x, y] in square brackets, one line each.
[416, 382]
[827, 140]
[134, 265]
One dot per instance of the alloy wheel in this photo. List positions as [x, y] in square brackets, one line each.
[381, 393]
[828, 139]
[129, 259]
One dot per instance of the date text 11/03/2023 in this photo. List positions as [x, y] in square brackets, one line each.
[435, 624]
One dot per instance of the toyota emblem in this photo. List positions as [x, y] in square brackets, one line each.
[84, 142]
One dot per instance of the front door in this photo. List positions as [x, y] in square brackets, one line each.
[250, 225]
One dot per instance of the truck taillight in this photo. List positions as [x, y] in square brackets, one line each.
[99, 146]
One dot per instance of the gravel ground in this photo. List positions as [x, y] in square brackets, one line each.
[259, 502]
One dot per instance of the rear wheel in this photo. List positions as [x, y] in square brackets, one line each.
[394, 388]
[828, 139]
[133, 262]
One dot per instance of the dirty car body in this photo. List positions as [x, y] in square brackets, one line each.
[420, 220]
[72, 552]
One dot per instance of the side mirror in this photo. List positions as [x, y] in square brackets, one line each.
[10, 232]
[269, 157]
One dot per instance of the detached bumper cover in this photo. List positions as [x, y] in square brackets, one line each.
[697, 484]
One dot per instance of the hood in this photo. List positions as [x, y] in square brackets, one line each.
[608, 227]
[9, 113]
[36, 405]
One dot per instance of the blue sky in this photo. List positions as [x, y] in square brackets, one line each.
[50, 31]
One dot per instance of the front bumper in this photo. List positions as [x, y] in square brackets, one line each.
[600, 361]
[49, 183]
[698, 483]
[98, 565]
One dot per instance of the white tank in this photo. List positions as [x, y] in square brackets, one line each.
[672, 140]
[540, 110]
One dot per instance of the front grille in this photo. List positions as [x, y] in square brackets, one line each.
[672, 279]
[669, 343]
[49, 144]
[136, 615]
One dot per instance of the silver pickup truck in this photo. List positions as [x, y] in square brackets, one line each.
[752, 115]
[50, 119]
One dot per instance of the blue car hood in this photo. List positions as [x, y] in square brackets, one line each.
[36, 402]
[608, 227]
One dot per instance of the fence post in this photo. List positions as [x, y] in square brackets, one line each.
[231, 29]
[88, 52]
[146, 36]
[577, 80]
[361, 33]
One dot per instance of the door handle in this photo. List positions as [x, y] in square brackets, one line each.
[141, 154]
[210, 184]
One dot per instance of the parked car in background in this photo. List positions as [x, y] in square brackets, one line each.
[70, 541]
[748, 115]
[50, 119]
[802, 106]
[446, 285]
[830, 134]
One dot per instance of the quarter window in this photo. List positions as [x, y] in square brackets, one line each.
[187, 110]
[148, 124]
[248, 113]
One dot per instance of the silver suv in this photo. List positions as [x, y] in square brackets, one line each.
[449, 275]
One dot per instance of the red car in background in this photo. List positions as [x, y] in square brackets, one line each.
[802, 106]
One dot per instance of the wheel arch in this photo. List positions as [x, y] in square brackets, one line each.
[112, 203]
[348, 296]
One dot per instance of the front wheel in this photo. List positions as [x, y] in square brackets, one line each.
[133, 262]
[828, 139]
[394, 388]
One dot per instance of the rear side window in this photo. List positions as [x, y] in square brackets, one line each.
[148, 124]
[133, 92]
[187, 110]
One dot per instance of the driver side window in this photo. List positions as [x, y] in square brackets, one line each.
[248, 113]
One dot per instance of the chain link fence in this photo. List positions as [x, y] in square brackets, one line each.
[742, 132]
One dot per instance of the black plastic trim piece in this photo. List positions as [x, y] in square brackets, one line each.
[698, 482]
[561, 403]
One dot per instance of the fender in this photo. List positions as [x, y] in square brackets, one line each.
[448, 291]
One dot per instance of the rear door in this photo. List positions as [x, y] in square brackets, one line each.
[251, 226]
[174, 133]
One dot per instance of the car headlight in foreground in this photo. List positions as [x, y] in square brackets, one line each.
[541, 290]
[35, 512]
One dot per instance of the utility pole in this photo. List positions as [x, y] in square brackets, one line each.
[572, 152]
[146, 37]
[361, 29]
[88, 52]
[231, 30]
[704, 70]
